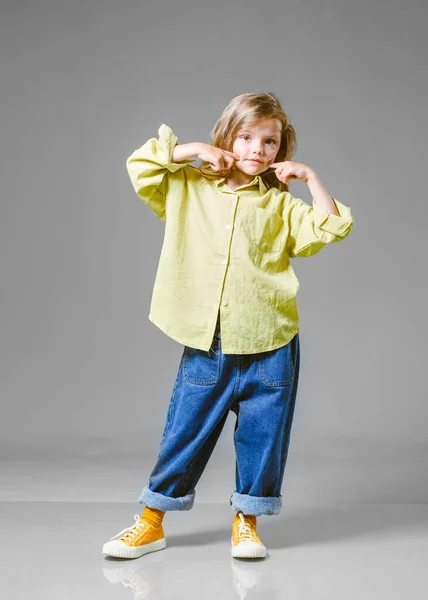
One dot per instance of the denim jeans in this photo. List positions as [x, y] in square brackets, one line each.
[261, 390]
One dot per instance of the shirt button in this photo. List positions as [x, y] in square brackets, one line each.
[223, 261]
[228, 226]
[224, 303]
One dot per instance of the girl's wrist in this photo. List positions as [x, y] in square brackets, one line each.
[312, 178]
[185, 151]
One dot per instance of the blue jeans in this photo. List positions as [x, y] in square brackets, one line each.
[261, 390]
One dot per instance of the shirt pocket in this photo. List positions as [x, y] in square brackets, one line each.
[264, 229]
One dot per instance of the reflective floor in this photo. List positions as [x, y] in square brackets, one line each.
[52, 550]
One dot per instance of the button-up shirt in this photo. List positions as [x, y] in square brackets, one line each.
[226, 252]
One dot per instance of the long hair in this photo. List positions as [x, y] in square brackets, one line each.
[247, 109]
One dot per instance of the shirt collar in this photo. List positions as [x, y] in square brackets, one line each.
[220, 181]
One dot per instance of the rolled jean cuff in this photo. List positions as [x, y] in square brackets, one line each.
[164, 503]
[256, 505]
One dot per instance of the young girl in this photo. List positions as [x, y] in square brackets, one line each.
[226, 290]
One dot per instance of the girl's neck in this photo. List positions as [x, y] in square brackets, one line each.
[238, 178]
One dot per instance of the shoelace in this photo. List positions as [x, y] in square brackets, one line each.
[134, 530]
[245, 531]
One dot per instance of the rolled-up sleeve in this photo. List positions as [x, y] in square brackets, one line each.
[150, 166]
[310, 228]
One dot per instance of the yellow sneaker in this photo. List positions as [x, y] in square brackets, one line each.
[142, 537]
[245, 541]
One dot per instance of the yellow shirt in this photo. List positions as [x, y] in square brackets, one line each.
[227, 250]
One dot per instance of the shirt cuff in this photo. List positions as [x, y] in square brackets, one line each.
[336, 224]
[165, 147]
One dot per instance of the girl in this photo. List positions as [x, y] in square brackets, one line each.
[226, 291]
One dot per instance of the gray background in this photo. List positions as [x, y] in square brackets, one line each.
[85, 377]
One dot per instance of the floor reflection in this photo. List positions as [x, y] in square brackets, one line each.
[155, 575]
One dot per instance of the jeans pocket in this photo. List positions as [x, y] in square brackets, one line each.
[276, 367]
[202, 367]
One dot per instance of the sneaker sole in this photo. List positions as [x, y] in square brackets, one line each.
[123, 551]
[248, 551]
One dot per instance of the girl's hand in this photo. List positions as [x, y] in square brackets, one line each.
[292, 170]
[218, 158]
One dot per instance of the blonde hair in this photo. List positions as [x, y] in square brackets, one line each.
[247, 109]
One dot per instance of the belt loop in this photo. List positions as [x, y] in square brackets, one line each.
[217, 333]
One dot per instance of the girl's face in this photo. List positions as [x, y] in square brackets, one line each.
[257, 146]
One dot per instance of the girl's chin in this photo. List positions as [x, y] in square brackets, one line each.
[249, 168]
[252, 168]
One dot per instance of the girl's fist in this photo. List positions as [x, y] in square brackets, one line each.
[292, 170]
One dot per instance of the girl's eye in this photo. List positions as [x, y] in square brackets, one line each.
[245, 135]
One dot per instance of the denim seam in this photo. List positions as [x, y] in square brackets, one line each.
[291, 400]
[172, 408]
[234, 395]
[288, 425]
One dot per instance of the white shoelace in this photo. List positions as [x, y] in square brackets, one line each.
[137, 527]
[245, 531]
